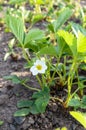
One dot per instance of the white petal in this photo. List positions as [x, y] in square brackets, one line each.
[39, 62]
[43, 62]
[45, 67]
[34, 70]
[42, 71]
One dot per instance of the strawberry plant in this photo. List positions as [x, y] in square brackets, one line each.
[54, 56]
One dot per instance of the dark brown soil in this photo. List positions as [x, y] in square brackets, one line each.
[55, 115]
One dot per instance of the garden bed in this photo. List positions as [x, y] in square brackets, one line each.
[55, 116]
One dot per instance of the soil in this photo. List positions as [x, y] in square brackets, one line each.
[55, 115]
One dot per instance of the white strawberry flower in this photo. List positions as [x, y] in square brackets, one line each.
[38, 67]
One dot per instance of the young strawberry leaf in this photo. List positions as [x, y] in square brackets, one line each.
[83, 102]
[22, 112]
[62, 47]
[81, 43]
[15, 79]
[33, 109]
[62, 18]
[76, 28]
[74, 103]
[49, 50]
[34, 34]
[24, 103]
[41, 99]
[17, 27]
[70, 40]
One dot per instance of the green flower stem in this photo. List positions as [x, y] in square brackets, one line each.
[58, 60]
[24, 52]
[37, 7]
[31, 25]
[40, 83]
[53, 76]
[49, 62]
[70, 81]
[67, 101]
[51, 4]
[81, 90]
[35, 89]
[43, 80]
[65, 60]
[70, 77]
[76, 91]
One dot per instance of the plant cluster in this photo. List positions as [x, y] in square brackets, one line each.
[55, 55]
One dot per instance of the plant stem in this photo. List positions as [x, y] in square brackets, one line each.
[25, 55]
[70, 77]
[64, 72]
[43, 80]
[35, 89]
[72, 71]
[76, 91]
[39, 81]
[56, 98]
[37, 7]
[68, 99]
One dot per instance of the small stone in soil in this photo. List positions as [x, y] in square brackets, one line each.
[46, 121]
[12, 127]
[49, 115]
[19, 120]
[42, 116]
[25, 125]
[31, 121]
[39, 121]
[10, 93]
[54, 107]
[36, 126]
[14, 67]
[9, 119]
[55, 121]
[3, 90]
[3, 99]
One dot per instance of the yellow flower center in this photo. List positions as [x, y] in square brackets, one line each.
[39, 67]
